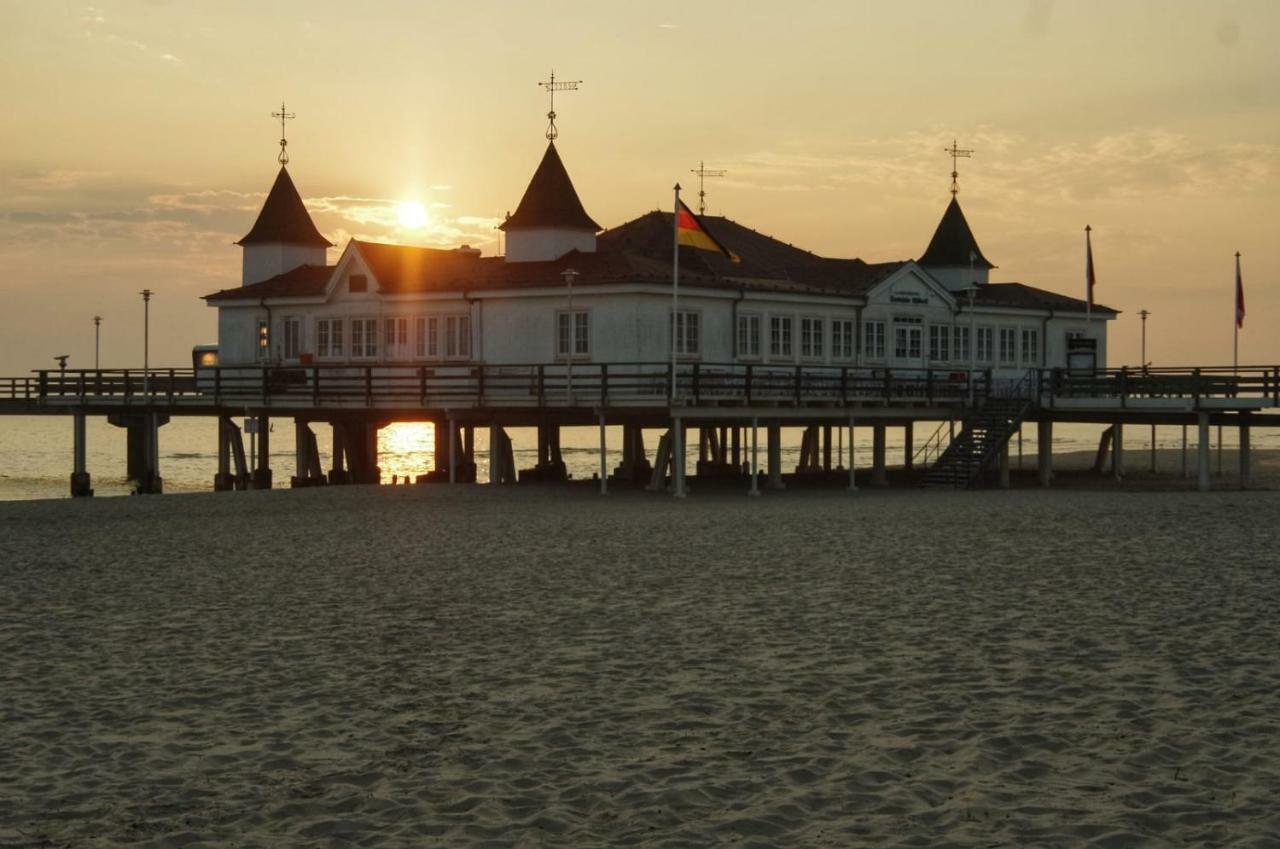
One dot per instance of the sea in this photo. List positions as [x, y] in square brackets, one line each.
[36, 451]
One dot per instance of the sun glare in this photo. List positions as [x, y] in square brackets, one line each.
[413, 215]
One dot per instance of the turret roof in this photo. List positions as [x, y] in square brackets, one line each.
[551, 200]
[284, 218]
[953, 242]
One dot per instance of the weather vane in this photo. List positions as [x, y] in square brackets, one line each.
[284, 143]
[957, 153]
[552, 87]
[703, 172]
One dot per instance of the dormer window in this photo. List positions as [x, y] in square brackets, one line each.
[358, 283]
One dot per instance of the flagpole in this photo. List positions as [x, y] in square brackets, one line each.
[1088, 280]
[1235, 323]
[675, 285]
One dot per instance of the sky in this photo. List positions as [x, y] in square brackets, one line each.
[137, 143]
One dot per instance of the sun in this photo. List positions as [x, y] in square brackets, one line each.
[413, 215]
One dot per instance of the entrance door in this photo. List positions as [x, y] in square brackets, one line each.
[908, 342]
[396, 340]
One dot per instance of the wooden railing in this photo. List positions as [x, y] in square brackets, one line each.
[586, 385]
[1191, 383]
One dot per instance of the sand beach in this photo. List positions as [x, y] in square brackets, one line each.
[1088, 666]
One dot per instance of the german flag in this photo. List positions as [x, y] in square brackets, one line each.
[691, 234]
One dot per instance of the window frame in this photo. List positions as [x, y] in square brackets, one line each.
[680, 333]
[1010, 333]
[875, 339]
[746, 319]
[817, 337]
[985, 332]
[848, 339]
[787, 324]
[1031, 358]
[565, 315]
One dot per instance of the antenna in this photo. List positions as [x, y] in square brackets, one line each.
[957, 153]
[552, 87]
[703, 172]
[284, 143]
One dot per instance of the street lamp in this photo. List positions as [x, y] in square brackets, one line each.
[973, 338]
[569, 276]
[146, 341]
[97, 338]
[1143, 315]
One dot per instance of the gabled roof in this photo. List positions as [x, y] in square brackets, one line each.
[763, 259]
[551, 200]
[953, 242]
[1021, 296]
[284, 218]
[301, 282]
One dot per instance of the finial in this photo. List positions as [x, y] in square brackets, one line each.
[1088, 229]
[284, 143]
[703, 172]
[956, 153]
[552, 87]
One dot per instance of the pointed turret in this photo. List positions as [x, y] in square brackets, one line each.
[284, 236]
[953, 255]
[550, 220]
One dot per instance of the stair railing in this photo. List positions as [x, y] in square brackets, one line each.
[933, 446]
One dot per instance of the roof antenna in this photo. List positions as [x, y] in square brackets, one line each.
[284, 143]
[956, 154]
[552, 87]
[703, 172]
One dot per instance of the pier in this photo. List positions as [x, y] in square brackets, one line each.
[973, 416]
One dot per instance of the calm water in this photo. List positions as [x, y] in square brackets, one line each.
[35, 451]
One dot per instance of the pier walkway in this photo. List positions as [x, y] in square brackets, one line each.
[727, 402]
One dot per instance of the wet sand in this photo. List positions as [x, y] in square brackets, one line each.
[529, 667]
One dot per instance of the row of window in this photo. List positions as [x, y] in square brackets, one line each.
[449, 337]
[412, 337]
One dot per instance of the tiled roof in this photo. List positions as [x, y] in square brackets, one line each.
[302, 282]
[953, 241]
[284, 218]
[1021, 296]
[551, 200]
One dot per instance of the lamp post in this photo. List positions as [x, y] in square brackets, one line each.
[569, 276]
[97, 338]
[146, 341]
[973, 338]
[1143, 315]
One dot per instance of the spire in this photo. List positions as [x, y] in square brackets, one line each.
[550, 201]
[953, 243]
[284, 218]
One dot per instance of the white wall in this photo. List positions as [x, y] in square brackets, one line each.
[541, 244]
[262, 262]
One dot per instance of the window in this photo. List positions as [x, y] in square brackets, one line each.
[292, 338]
[842, 342]
[939, 343]
[572, 333]
[322, 337]
[811, 338]
[1030, 346]
[961, 351]
[780, 336]
[420, 337]
[907, 338]
[749, 336]
[1008, 345]
[433, 338]
[358, 283]
[874, 340]
[396, 340]
[329, 337]
[688, 341]
[364, 337]
[457, 336]
[984, 344]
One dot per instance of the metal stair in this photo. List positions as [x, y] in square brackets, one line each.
[986, 432]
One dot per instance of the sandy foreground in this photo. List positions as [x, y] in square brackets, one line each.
[530, 667]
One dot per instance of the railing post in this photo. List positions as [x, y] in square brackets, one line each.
[928, 386]
[797, 385]
[266, 378]
[44, 385]
[671, 380]
[888, 385]
[749, 376]
[315, 386]
[844, 385]
[1195, 386]
[217, 384]
[542, 386]
[368, 386]
[127, 387]
[1275, 386]
[604, 384]
[171, 377]
[80, 387]
[697, 383]
[422, 386]
[480, 386]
